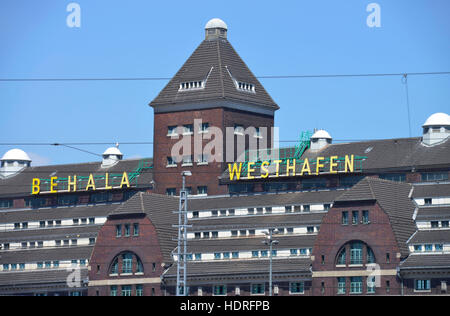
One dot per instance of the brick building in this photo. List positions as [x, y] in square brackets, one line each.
[214, 89]
[341, 212]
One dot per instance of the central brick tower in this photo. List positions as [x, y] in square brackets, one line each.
[214, 89]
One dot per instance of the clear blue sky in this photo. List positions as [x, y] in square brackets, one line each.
[142, 38]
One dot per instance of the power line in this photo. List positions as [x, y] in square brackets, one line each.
[405, 82]
[152, 143]
[259, 77]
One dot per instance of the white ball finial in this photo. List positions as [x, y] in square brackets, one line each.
[16, 155]
[215, 29]
[216, 24]
[437, 119]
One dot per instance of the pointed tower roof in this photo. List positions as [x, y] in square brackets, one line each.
[214, 75]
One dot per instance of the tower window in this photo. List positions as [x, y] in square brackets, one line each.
[171, 191]
[192, 85]
[244, 86]
[345, 218]
[172, 130]
[355, 217]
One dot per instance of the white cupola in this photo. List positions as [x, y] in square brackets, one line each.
[111, 156]
[215, 28]
[319, 140]
[436, 129]
[14, 161]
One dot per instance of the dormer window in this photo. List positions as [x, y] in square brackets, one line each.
[192, 85]
[241, 85]
[238, 129]
[244, 86]
[188, 129]
[172, 131]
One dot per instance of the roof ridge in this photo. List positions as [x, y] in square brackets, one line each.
[142, 202]
[220, 69]
[370, 187]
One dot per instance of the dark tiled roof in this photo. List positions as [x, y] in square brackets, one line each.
[433, 213]
[431, 190]
[262, 200]
[393, 197]
[41, 255]
[20, 184]
[49, 234]
[401, 153]
[434, 261]
[248, 244]
[431, 236]
[29, 278]
[234, 268]
[57, 213]
[255, 221]
[216, 58]
[160, 210]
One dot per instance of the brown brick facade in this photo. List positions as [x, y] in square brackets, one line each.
[108, 247]
[378, 235]
[202, 175]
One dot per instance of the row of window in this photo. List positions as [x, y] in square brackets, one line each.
[255, 289]
[322, 183]
[42, 265]
[435, 224]
[428, 248]
[356, 285]
[434, 176]
[243, 86]
[71, 293]
[254, 254]
[6, 203]
[186, 161]
[186, 129]
[56, 223]
[201, 190]
[191, 85]
[127, 290]
[40, 244]
[262, 210]
[125, 230]
[355, 218]
[251, 232]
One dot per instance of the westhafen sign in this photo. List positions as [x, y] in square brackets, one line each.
[294, 167]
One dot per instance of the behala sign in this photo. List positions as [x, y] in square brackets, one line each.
[268, 168]
[74, 186]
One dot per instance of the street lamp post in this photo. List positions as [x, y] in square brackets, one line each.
[270, 242]
[182, 238]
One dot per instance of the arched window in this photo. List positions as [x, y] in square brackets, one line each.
[356, 253]
[126, 263]
[115, 267]
[342, 257]
[359, 254]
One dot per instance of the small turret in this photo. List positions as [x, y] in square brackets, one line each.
[320, 139]
[111, 156]
[14, 161]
